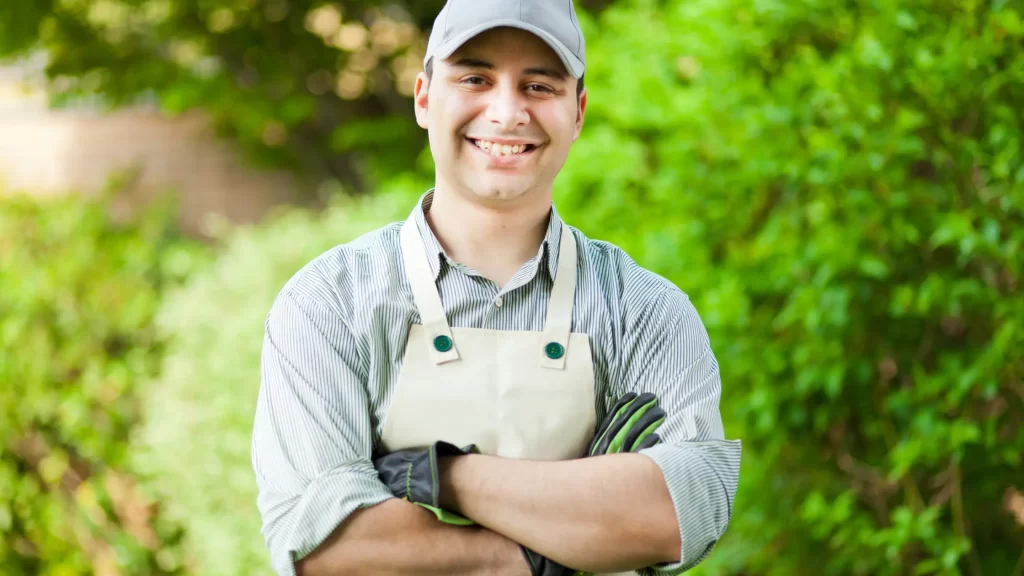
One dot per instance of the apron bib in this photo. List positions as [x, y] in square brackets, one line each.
[515, 394]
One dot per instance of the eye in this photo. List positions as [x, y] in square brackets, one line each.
[539, 88]
[473, 80]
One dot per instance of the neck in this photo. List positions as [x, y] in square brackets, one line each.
[495, 241]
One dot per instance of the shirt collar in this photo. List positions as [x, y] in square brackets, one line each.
[437, 255]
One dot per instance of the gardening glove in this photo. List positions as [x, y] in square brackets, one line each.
[413, 475]
[629, 425]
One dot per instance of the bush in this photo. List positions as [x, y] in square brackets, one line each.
[840, 188]
[201, 409]
[77, 295]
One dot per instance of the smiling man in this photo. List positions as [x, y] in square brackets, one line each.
[475, 390]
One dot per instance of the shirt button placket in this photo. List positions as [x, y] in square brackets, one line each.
[490, 317]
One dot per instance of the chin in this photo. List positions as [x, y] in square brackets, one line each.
[498, 191]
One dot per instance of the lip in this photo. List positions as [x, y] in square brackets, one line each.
[504, 141]
[503, 161]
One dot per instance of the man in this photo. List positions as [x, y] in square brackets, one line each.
[484, 320]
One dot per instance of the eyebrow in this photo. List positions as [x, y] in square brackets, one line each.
[532, 71]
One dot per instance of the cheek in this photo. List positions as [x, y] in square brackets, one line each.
[560, 127]
[446, 126]
[457, 113]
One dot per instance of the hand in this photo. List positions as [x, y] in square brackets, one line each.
[629, 426]
[413, 475]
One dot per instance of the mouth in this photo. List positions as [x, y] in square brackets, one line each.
[498, 150]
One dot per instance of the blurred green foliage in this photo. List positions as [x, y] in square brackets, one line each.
[201, 408]
[318, 87]
[77, 295]
[839, 186]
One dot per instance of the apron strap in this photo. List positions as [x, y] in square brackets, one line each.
[555, 346]
[424, 291]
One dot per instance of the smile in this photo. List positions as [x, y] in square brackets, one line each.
[496, 149]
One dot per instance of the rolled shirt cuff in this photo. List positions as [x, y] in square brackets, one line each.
[702, 478]
[298, 525]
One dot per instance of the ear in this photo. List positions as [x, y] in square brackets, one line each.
[581, 109]
[420, 93]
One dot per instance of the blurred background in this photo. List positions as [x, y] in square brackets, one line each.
[837, 184]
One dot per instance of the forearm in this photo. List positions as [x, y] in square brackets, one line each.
[602, 514]
[399, 538]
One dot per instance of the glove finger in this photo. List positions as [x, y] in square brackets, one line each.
[648, 441]
[622, 425]
[620, 405]
[601, 437]
[643, 427]
[630, 403]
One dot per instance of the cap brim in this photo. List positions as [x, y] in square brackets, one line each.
[573, 64]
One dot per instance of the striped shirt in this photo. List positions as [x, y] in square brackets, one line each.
[333, 346]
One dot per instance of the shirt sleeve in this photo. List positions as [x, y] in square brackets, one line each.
[312, 440]
[668, 353]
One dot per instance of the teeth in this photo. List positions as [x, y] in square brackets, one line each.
[500, 149]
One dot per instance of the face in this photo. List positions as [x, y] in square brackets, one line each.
[501, 114]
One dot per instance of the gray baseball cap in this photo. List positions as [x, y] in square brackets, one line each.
[554, 21]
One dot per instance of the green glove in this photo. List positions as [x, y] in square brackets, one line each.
[629, 426]
[413, 475]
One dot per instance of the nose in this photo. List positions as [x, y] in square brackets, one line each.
[507, 107]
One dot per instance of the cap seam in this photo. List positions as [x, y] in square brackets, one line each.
[451, 5]
[579, 33]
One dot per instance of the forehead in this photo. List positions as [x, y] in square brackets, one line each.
[509, 47]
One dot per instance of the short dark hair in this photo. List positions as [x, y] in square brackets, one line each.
[429, 69]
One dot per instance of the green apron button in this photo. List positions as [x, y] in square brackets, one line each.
[442, 343]
[554, 350]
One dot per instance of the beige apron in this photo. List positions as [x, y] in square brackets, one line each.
[515, 394]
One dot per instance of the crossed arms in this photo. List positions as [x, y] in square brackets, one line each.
[532, 503]
[325, 512]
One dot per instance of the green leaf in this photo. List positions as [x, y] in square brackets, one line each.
[874, 267]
